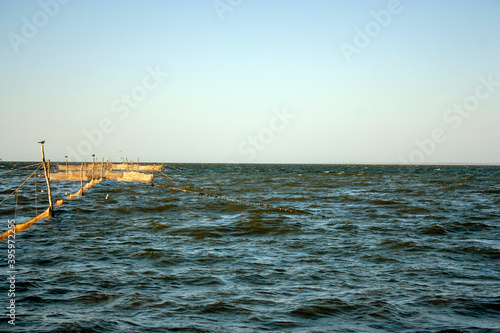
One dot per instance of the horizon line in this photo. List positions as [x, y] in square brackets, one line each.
[281, 163]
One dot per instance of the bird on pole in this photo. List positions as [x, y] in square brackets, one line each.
[41, 142]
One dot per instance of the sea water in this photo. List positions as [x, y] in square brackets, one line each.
[373, 248]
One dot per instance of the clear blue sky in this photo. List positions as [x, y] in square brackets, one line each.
[295, 81]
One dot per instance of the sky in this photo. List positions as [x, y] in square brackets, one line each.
[251, 81]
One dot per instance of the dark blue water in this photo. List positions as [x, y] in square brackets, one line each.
[377, 249]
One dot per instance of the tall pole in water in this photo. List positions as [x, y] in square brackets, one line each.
[153, 174]
[92, 167]
[66, 157]
[51, 206]
[81, 180]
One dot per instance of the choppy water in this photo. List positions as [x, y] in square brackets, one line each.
[385, 249]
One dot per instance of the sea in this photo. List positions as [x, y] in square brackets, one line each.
[256, 248]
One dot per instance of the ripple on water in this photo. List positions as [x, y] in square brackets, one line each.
[385, 248]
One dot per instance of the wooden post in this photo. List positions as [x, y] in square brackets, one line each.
[92, 179]
[51, 206]
[66, 157]
[81, 179]
[152, 174]
[102, 166]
